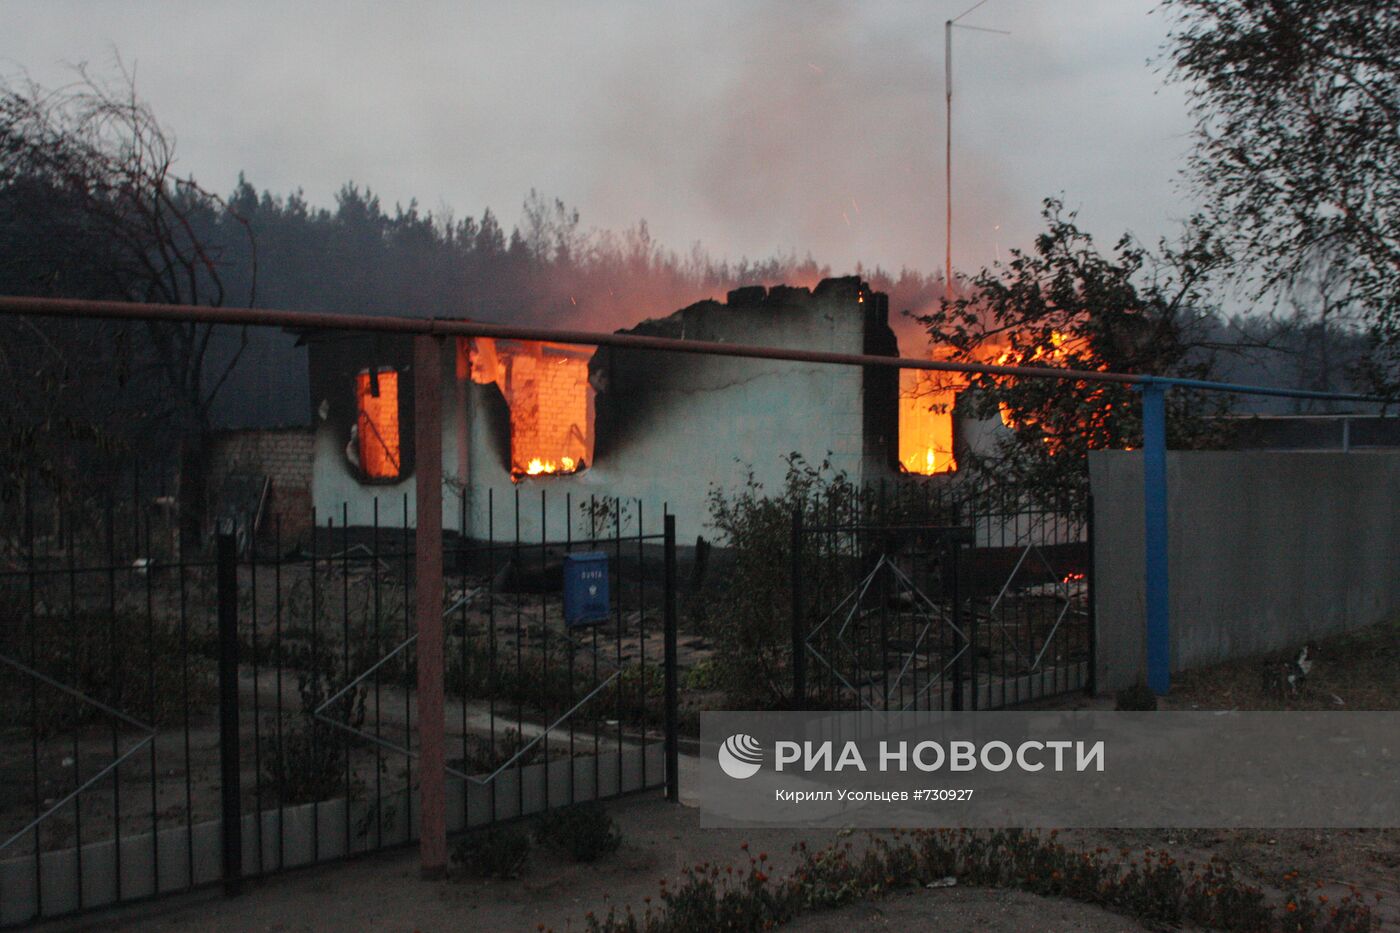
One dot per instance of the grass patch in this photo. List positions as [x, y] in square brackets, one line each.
[1357, 670]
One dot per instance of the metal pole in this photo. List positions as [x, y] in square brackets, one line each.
[799, 628]
[672, 681]
[432, 779]
[1154, 497]
[441, 327]
[948, 154]
[229, 767]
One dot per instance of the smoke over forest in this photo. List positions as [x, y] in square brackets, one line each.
[546, 268]
[83, 165]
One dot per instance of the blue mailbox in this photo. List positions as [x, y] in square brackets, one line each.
[586, 588]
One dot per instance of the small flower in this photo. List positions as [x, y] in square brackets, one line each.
[1291, 907]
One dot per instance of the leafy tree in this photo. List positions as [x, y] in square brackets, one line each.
[1064, 304]
[1298, 147]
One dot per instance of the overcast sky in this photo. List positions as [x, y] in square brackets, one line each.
[750, 126]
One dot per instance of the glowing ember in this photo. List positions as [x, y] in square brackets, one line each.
[537, 466]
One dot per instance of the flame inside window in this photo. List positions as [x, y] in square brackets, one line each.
[926, 423]
[377, 423]
[546, 387]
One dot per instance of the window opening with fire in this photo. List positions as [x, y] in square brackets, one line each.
[926, 401]
[374, 443]
[546, 388]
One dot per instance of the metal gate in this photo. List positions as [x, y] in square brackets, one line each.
[988, 612]
[176, 720]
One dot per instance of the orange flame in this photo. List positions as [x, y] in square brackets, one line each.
[1057, 353]
[927, 399]
[926, 402]
[926, 424]
[551, 402]
[536, 466]
[377, 423]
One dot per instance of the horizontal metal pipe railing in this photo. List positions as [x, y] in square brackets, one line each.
[445, 327]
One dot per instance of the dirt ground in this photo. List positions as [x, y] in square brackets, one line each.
[968, 910]
[1359, 670]
[385, 891]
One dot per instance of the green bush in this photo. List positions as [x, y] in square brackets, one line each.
[494, 852]
[309, 759]
[483, 756]
[745, 609]
[145, 667]
[748, 612]
[703, 676]
[584, 830]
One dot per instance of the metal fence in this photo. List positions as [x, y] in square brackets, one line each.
[924, 598]
[174, 720]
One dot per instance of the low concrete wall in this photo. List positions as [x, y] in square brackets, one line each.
[1267, 550]
[182, 858]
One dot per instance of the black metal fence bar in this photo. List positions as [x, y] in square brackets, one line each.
[925, 597]
[195, 717]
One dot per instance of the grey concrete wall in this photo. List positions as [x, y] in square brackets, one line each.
[1267, 550]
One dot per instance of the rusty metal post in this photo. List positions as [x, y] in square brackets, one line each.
[432, 779]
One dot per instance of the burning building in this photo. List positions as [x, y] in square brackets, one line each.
[649, 427]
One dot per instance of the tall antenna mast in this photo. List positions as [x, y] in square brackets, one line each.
[948, 153]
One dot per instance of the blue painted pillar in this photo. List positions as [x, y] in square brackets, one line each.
[1154, 498]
